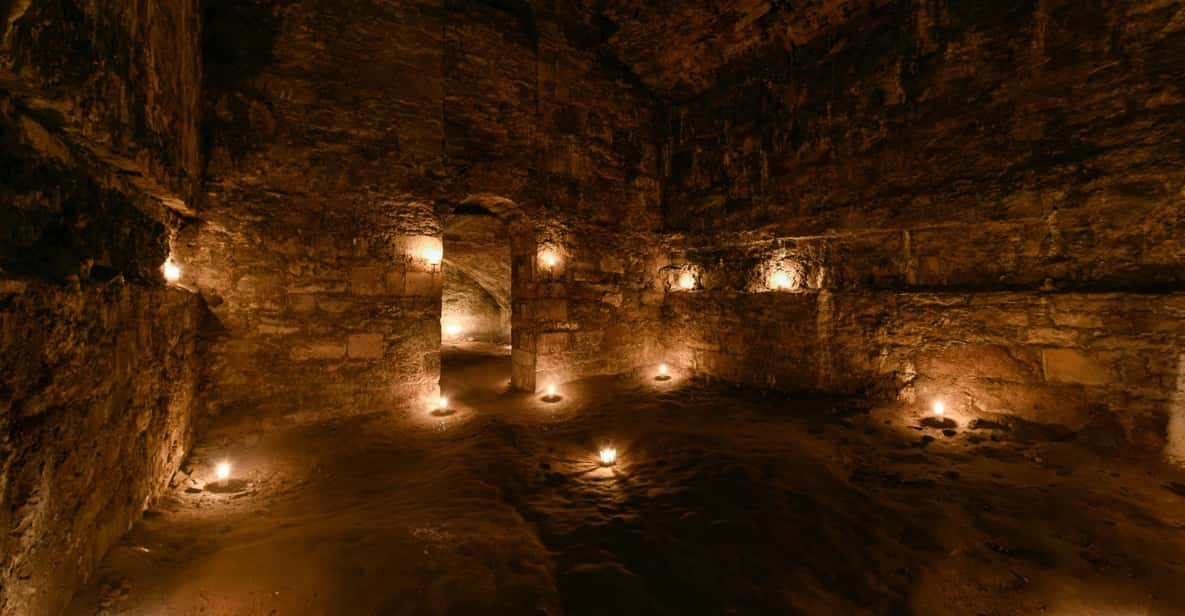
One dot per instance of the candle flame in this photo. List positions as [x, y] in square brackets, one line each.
[171, 271]
[551, 391]
[442, 403]
[608, 456]
[662, 369]
[687, 280]
[781, 279]
[939, 408]
[223, 470]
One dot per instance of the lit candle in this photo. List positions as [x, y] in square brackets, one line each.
[454, 330]
[442, 404]
[171, 271]
[687, 281]
[939, 408]
[662, 373]
[662, 369]
[432, 254]
[551, 391]
[608, 456]
[781, 280]
[223, 471]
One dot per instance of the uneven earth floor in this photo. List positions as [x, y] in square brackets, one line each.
[722, 502]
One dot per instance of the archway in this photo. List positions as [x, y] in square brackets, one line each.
[486, 336]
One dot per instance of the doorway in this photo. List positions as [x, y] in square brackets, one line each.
[476, 304]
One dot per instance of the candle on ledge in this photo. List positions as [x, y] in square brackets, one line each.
[222, 471]
[662, 373]
[687, 281]
[608, 456]
[442, 404]
[551, 395]
[171, 271]
[781, 279]
[939, 408]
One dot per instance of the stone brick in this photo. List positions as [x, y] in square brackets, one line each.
[554, 342]
[318, 351]
[1072, 366]
[424, 284]
[368, 280]
[365, 346]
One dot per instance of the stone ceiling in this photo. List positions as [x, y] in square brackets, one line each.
[680, 48]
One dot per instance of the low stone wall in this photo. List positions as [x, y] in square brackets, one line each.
[97, 398]
[1108, 364]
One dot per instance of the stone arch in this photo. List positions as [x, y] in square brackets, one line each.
[512, 291]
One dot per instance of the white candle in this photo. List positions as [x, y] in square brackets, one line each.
[608, 456]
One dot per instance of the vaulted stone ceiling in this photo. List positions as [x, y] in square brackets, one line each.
[680, 48]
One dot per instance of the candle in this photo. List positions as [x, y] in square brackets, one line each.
[781, 280]
[454, 330]
[442, 404]
[551, 391]
[662, 369]
[687, 281]
[608, 456]
[939, 408]
[171, 271]
[223, 471]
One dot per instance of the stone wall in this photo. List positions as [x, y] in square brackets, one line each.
[974, 200]
[596, 311]
[342, 135]
[99, 360]
[97, 400]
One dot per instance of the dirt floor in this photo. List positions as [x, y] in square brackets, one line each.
[721, 502]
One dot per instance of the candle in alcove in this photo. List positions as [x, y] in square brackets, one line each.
[171, 271]
[662, 373]
[687, 281]
[442, 404]
[939, 408]
[551, 395]
[781, 280]
[608, 456]
[222, 471]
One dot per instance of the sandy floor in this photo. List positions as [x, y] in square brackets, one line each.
[722, 502]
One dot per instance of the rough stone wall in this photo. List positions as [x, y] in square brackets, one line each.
[97, 397]
[99, 162]
[340, 133]
[324, 137]
[597, 311]
[124, 75]
[981, 200]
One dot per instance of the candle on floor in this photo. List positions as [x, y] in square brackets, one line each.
[551, 395]
[608, 456]
[939, 408]
[662, 373]
[442, 404]
[222, 471]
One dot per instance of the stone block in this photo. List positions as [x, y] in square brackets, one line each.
[422, 284]
[551, 310]
[1073, 366]
[303, 303]
[365, 346]
[554, 342]
[318, 351]
[368, 280]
